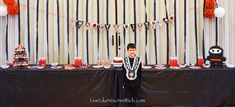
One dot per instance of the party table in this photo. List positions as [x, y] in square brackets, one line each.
[55, 87]
[186, 87]
[102, 87]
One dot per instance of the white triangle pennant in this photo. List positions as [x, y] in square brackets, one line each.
[160, 23]
[154, 23]
[87, 25]
[172, 19]
[140, 25]
[126, 26]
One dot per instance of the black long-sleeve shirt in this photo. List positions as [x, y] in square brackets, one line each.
[137, 81]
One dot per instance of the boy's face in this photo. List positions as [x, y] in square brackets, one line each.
[131, 52]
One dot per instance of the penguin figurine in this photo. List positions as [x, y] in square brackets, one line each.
[216, 57]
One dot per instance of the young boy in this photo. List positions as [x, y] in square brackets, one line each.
[132, 76]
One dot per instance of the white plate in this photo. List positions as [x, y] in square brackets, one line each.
[5, 66]
[117, 65]
[54, 64]
[146, 67]
[195, 67]
[97, 66]
[34, 67]
[160, 67]
[206, 65]
[107, 67]
[56, 67]
[40, 67]
[183, 65]
[230, 65]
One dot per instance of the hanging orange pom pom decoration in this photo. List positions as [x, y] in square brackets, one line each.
[209, 13]
[211, 4]
[13, 9]
[9, 2]
[209, 8]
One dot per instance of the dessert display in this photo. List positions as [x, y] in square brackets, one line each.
[20, 59]
[118, 60]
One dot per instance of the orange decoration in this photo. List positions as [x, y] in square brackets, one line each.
[210, 4]
[9, 2]
[209, 13]
[209, 8]
[13, 9]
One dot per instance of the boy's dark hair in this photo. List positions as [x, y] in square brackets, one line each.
[131, 45]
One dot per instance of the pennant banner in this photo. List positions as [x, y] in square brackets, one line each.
[154, 23]
[165, 20]
[140, 26]
[107, 26]
[146, 25]
[133, 27]
[118, 27]
[79, 24]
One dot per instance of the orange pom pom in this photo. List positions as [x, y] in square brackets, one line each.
[9, 2]
[213, 4]
[13, 9]
[209, 13]
[209, 8]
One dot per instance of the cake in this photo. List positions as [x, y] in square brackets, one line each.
[118, 60]
[20, 60]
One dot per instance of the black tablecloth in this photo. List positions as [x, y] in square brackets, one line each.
[55, 87]
[187, 87]
[86, 87]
